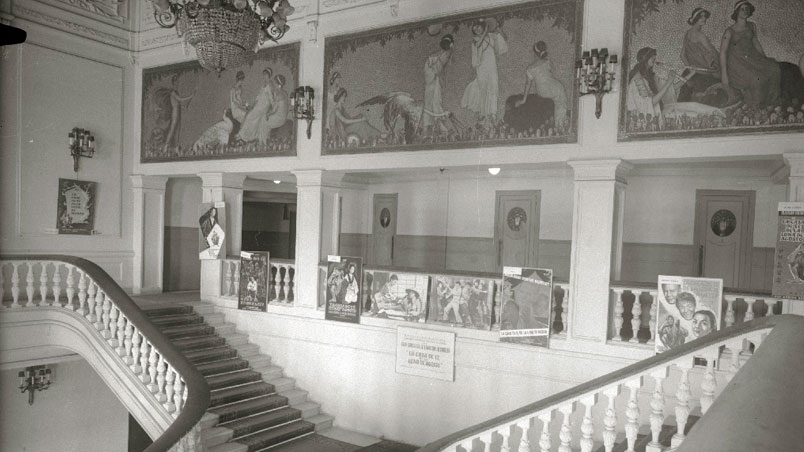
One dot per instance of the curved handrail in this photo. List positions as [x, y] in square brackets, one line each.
[636, 369]
[197, 388]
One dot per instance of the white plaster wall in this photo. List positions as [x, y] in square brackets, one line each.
[77, 413]
[182, 197]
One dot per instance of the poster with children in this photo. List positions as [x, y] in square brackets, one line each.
[254, 270]
[527, 295]
[343, 289]
[464, 301]
[788, 269]
[688, 309]
[395, 295]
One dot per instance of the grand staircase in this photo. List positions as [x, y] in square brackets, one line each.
[253, 407]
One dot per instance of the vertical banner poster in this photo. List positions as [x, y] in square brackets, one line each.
[394, 295]
[788, 269]
[254, 269]
[211, 230]
[461, 301]
[425, 353]
[527, 295]
[76, 207]
[343, 288]
[688, 309]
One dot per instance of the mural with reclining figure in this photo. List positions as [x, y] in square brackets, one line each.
[497, 77]
[711, 67]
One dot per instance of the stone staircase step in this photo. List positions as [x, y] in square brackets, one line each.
[179, 332]
[320, 421]
[308, 409]
[263, 421]
[235, 338]
[199, 343]
[214, 436]
[277, 435]
[246, 351]
[233, 379]
[230, 447]
[214, 318]
[238, 393]
[295, 396]
[259, 362]
[282, 384]
[208, 420]
[225, 328]
[201, 307]
[177, 320]
[164, 310]
[210, 354]
[268, 372]
[248, 407]
[223, 366]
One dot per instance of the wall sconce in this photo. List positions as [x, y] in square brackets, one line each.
[596, 75]
[32, 379]
[82, 144]
[302, 102]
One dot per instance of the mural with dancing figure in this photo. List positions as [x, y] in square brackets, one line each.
[711, 67]
[189, 113]
[497, 77]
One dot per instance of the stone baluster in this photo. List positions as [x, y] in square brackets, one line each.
[56, 284]
[134, 356]
[618, 314]
[153, 364]
[565, 309]
[729, 319]
[106, 317]
[178, 394]
[170, 380]
[15, 285]
[466, 445]
[565, 434]
[110, 333]
[100, 300]
[291, 275]
[632, 413]
[709, 383]
[555, 306]
[145, 354]
[43, 280]
[185, 392]
[122, 325]
[486, 439]
[236, 284]
[506, 437]
[82, 291]
[227, 278]
[92, 292]
[749, 310]
[161, 367]
[282, 273]
[587, 426]
[272, 282]
[636, 319]
[654, 313]
[524, 440]
[771, 305]
[545, 440]
[657, 410]
[29, 286]
[70, 291]
[610, 418]
[683, 396]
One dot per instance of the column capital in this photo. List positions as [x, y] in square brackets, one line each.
[795, 162]
[148, 182]
[317, 178]
[601, 170]
[227, 180]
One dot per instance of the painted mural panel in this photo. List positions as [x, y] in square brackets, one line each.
[711, 67]
[498, 77]
[189, 113]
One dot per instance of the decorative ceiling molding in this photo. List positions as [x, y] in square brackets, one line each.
[159, 41]
[113, 9]
[72, 27]
[334, 5]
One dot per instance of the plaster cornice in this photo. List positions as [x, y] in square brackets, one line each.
[601, 170]
[70, 27]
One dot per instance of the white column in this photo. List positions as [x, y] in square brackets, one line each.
[593, 240]
[228, 188]
[617, 233]
[314, 189]
[795, 192]
[148, 227]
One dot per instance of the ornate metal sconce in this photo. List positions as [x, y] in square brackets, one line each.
[32, 379]
[82, 144]
[596, 75]
[303, 108]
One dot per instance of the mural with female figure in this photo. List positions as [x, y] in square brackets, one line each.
[497, 77]
[189, 113]
[711, 67]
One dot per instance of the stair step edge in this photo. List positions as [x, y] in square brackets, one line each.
[216, 435]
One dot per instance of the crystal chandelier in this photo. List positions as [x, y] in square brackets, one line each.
[223, 32]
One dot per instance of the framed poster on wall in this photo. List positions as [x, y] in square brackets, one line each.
[689, 308]
[343, 288]
[76, 207]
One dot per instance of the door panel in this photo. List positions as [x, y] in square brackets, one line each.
[724, 223]
[517, 228]
[384, 228]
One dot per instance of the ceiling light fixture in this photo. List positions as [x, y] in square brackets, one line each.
[494, 171]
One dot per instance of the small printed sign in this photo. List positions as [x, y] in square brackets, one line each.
[425, 353]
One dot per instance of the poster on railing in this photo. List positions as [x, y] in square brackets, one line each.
[688, 309]
[788, 269]
[526, 305]
[254, 269]
[76, 206]
[461, 301]
[343, 288]
[395, 295]
[425, 353]
[211, 230]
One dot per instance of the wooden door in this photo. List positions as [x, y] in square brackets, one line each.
[516, 230]
[383, 228]
[724, 235]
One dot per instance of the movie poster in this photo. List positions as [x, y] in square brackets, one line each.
[254, 270]
[688, 309]
[76, 207]
[212, 235]
[788, 269]
[527, 295]
[394, 295]
[343, 289]
[461, 301]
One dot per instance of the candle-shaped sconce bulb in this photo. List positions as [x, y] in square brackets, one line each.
[71, 135]
[91, 152]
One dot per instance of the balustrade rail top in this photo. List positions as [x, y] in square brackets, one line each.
[278, 260]
[198, 390]
[791, 324]
[649, 286]
[436, 271]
